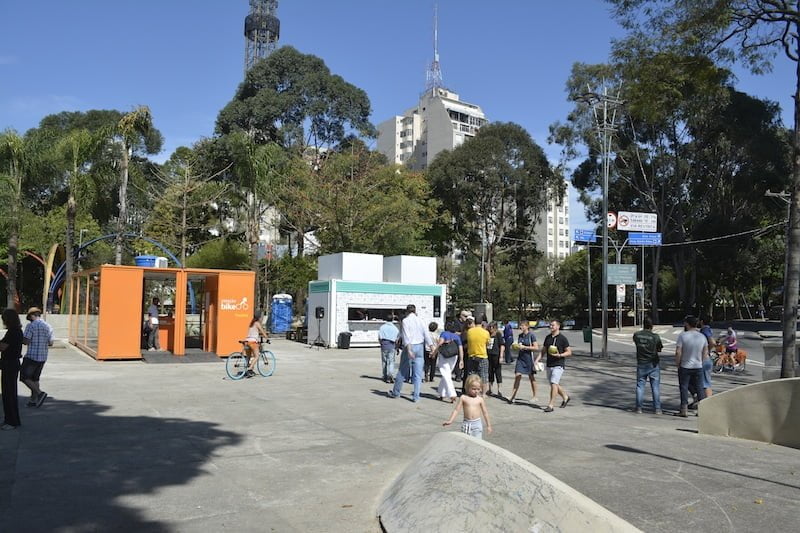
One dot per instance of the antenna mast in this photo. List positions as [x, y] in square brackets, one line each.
[434, 75]
[262, 29]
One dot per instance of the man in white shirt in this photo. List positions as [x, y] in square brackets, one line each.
[690, 352]
[415, 336]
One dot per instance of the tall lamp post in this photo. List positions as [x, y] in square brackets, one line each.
[604, 107]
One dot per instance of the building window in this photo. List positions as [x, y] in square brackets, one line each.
[561, 255]
[550, 220]
[549, 231]
[560, 220]
[566, 209]
[561, 209]
[549, 243]
[550, 255]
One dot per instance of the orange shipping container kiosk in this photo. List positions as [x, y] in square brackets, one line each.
[202, 310]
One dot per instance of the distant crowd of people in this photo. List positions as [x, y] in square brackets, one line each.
[471, 352]
[38, 336]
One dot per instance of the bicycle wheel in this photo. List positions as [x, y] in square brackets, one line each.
[266, 363]
[718, 366]
[236, 365]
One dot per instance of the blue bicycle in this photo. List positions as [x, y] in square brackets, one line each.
[238, 362]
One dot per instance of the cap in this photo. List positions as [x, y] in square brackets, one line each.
[34, 311]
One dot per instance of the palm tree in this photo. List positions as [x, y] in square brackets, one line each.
[133, 129]
[75, 150]
[14, 164]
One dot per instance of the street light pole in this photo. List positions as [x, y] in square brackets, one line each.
[604, 107]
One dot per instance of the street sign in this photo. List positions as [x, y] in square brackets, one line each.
[644, 239]
[632, 221]
[622, 274]
[611, 220]
[621, 293]
[585, 235]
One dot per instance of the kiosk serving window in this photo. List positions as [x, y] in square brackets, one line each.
[374, 313]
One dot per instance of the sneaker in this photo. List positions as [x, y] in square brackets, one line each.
[659, 412]
[31, 403]
[40, 400]
[7, 427]
[693, 406]
[638, 410]
[548, 409]
[391, 394]
[151, 349]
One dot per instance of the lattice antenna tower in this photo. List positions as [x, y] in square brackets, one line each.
[262, 29]
[434, 74]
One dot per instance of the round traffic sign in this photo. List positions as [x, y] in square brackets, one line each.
[612, 220]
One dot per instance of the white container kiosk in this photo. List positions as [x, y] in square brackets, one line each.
[357, 293]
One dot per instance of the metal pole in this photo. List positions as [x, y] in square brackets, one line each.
[606, 156]
[643, 286]
[589, 287]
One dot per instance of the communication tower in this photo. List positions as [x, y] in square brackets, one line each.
[262, 29]
[434, 75]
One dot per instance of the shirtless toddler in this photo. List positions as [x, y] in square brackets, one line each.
[474, 407]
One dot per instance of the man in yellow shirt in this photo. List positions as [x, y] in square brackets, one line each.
[477, 356]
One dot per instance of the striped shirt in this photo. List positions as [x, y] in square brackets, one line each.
[38, 336]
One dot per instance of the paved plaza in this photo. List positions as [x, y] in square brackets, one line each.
[179, 447]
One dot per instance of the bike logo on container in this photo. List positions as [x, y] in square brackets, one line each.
[232, 304]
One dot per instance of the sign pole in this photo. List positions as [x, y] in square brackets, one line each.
[589, 290]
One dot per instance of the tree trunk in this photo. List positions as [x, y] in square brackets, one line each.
[252, 231]
[66, 303]
[301, 242]
[123, 202]
[791, 286]
[654, 284]
[12, 299]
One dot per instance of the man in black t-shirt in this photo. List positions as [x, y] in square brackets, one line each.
[648, 344]
[556, 349]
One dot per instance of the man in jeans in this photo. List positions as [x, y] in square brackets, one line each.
[415, 336]
[691, 351]
[648, 344]
[387, 336]
[38, 336]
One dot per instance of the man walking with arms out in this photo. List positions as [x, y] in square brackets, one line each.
[648, 344]
[38, 335]
[556, 347]
[415, 337]
[691, 351]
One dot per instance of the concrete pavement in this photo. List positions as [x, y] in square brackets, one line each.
[132, 446]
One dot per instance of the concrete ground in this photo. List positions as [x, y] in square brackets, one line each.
[135, 446]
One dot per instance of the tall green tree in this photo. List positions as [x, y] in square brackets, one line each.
[183, 212]
[293, 99]
[494, 188]
[15, 166]
[753, 32]
[134, 131]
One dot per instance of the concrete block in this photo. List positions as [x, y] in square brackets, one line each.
[462, 484]
[768, 411]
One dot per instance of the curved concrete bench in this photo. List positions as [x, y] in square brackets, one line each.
[768, 411]
[459, 483]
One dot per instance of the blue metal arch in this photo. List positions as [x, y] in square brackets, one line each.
[58, 277]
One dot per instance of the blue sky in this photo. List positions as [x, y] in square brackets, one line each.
[184, 58]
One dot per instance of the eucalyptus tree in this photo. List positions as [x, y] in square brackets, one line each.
[493, 189]
[753, 32]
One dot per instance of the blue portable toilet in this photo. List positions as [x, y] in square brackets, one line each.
[281, 313]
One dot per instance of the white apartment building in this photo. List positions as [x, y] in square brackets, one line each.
[440, 121]
[552, 232]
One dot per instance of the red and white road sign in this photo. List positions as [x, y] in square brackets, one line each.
[612, 220]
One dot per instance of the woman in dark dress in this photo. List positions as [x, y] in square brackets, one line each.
[11, 348]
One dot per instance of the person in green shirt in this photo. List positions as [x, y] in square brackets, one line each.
[648, 344]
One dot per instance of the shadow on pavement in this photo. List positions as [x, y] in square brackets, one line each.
[628, 449]
[73, 467]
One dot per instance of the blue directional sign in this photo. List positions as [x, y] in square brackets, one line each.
[585, 235]
[644, 239]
